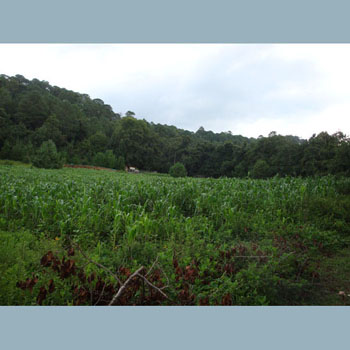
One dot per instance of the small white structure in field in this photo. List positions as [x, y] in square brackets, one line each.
[132, 169]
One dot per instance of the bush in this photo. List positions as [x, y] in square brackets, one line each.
[105, 159]
[120, 164]
[110, 159]
[261, 170]
[99, 159]
[20, 254]
[47, 156]
[20, 151]
[178, 170]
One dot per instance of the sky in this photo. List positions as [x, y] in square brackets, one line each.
[247, 89]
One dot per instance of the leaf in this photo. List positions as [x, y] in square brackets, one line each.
[41, 296]
[51, 286]
[71, 251]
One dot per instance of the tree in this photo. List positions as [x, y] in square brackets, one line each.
[5, 99]
[50, 130]
[47, 156]
[178, 170]
[20, 151]
[120, 164]
[110, 160]
[105, 159]
[33, 109]
[136, 142]
[261, 169]
[98, 142]
[32, 112]
[129, 114]
[99, 159]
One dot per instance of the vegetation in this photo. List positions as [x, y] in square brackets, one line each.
[88, 132]
[276, 241]
[258, 221]
[178, 170]
[47, 156]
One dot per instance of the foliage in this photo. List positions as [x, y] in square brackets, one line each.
[120, 163]
[259, 230]
[178, 170]
[47, 156]
[20, 254]
[12, 162]
[84, 129]
[215, 241]
[261, 169]
[105, 159]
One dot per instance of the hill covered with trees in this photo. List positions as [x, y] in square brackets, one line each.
[88, 131]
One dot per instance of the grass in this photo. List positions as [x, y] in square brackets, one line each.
[335, 278]
[281, 241]
[13, 162]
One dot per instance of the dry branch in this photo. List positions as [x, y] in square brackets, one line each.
[152, 285]
[151, 268]
[160, 268]
[99, 298]
[121, 289]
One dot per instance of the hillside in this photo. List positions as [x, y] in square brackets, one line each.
[88, 131]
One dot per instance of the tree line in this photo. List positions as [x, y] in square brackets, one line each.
[88, 131]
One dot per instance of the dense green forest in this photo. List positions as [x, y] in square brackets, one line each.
[88, 131]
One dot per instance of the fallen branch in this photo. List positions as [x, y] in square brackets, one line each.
[151, 268]
[99, 298]
[152, 285]
[137, 273]
[157, 263]
[121, 289]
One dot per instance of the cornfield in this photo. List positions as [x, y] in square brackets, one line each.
[215, 241]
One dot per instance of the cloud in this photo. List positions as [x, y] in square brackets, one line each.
[247, 89]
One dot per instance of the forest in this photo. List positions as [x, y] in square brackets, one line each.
[88, 131]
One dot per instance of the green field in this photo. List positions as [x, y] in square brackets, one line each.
[281, 241]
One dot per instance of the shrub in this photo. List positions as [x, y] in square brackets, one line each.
[20, 254]
[120, 164]
[178, 170]
[261, 169]
[99, 159]
[47, 156]
[19, 151]
[110, 160]
[105, 159]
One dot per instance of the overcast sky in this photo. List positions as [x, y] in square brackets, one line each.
[246, 89]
